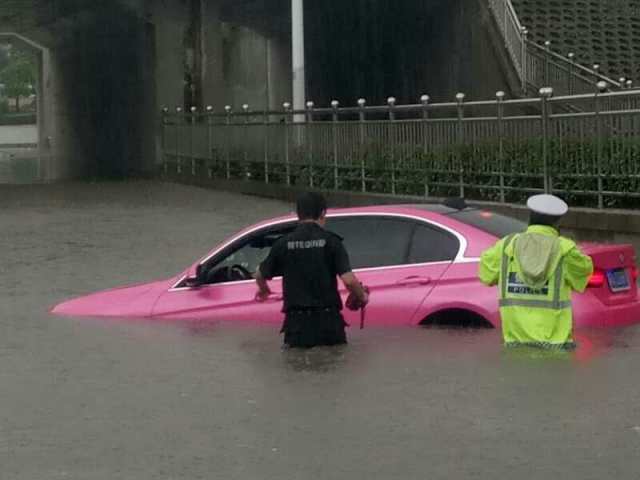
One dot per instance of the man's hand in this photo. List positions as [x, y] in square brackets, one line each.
[365, 298]
[263, 287]
[355, 288]
[263, 295]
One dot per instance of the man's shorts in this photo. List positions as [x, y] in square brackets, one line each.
[307, 328]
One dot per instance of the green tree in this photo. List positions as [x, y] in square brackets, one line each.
[4, 56]
[18, 76]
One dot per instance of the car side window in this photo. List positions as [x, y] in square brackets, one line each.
[247, 253]
[431, 244]
[373, 241]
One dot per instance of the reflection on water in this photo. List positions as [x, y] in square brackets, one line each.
[86, 398]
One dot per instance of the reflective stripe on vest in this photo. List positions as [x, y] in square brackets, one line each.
[555, 304]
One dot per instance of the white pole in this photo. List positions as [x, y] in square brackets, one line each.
[297, 55]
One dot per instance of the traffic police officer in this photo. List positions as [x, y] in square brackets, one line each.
[536, 271]
[310, 259]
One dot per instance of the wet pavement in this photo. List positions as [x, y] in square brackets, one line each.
[117, 399]
[16, 134]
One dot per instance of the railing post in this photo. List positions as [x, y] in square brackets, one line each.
[309, 136]
[163, 138]
[623, 83]
[335, 105]
[287, 160]
[460, 108]
[596, 69]
[391, 103]
[424, 99]
[194, 112]
[178, 156]
[363, 167]
[570, 80]
[506, 22]
[525, 59]
[545, 94]
[500, 107]
[547, 63]
[227, 142]
[209, 111]
[265, 144]
[602, 88]
[246, 143]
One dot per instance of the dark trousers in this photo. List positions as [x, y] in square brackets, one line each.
[307, 328]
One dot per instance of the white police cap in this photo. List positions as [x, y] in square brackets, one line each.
[548, 205]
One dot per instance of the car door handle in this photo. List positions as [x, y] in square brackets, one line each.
[416, 280]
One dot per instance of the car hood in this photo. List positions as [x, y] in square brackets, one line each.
[134, 301]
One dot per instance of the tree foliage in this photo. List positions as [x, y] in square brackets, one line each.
[4, 56]
[19, 74]
[18, 71]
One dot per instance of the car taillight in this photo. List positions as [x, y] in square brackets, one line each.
[597, 279]
[634, 273]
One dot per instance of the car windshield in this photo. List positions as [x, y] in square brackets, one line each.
[489, 222]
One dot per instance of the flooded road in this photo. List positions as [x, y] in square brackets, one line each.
[89, 399]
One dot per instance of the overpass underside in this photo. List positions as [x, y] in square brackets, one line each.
[109, 67]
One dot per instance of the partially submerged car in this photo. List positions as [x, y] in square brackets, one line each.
[419, 261]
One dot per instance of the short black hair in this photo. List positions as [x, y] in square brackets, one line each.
[536, 218]
[311, 206]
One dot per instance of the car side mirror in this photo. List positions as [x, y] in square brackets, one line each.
[195, 277]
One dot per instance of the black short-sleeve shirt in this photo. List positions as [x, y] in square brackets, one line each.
[309, 259]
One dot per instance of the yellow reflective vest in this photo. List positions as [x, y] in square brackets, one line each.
[536, 272]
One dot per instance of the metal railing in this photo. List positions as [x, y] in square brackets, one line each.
[498, 150]
[539, 66]
[563, 74]
[24, 166]
[512, 32]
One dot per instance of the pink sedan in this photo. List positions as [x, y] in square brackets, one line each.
[419, 261]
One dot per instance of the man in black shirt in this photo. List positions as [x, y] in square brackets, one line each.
[310, 259]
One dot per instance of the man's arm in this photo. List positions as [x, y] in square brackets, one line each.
[342, 266]
[490, 263]
[355, 287]
[578, 268]
[267, 270]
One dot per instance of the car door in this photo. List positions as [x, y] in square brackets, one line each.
[226, 299]
[399, 259]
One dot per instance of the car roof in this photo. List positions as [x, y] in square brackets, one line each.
[476, 240]
[392, 208]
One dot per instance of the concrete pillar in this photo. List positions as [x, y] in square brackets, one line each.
[297, 55]
[213, 91]
[170, 19]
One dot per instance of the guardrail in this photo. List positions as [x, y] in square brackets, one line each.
[538, 65]
[499, 150]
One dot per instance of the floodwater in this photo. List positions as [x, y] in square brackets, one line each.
[115, 399]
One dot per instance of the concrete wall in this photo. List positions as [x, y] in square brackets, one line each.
[257, 68]
[403, 49]
[106, 87]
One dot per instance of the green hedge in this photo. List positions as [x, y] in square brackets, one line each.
[18, 118]
[573, 169]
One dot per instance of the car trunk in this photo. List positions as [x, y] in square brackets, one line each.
[614, 281]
